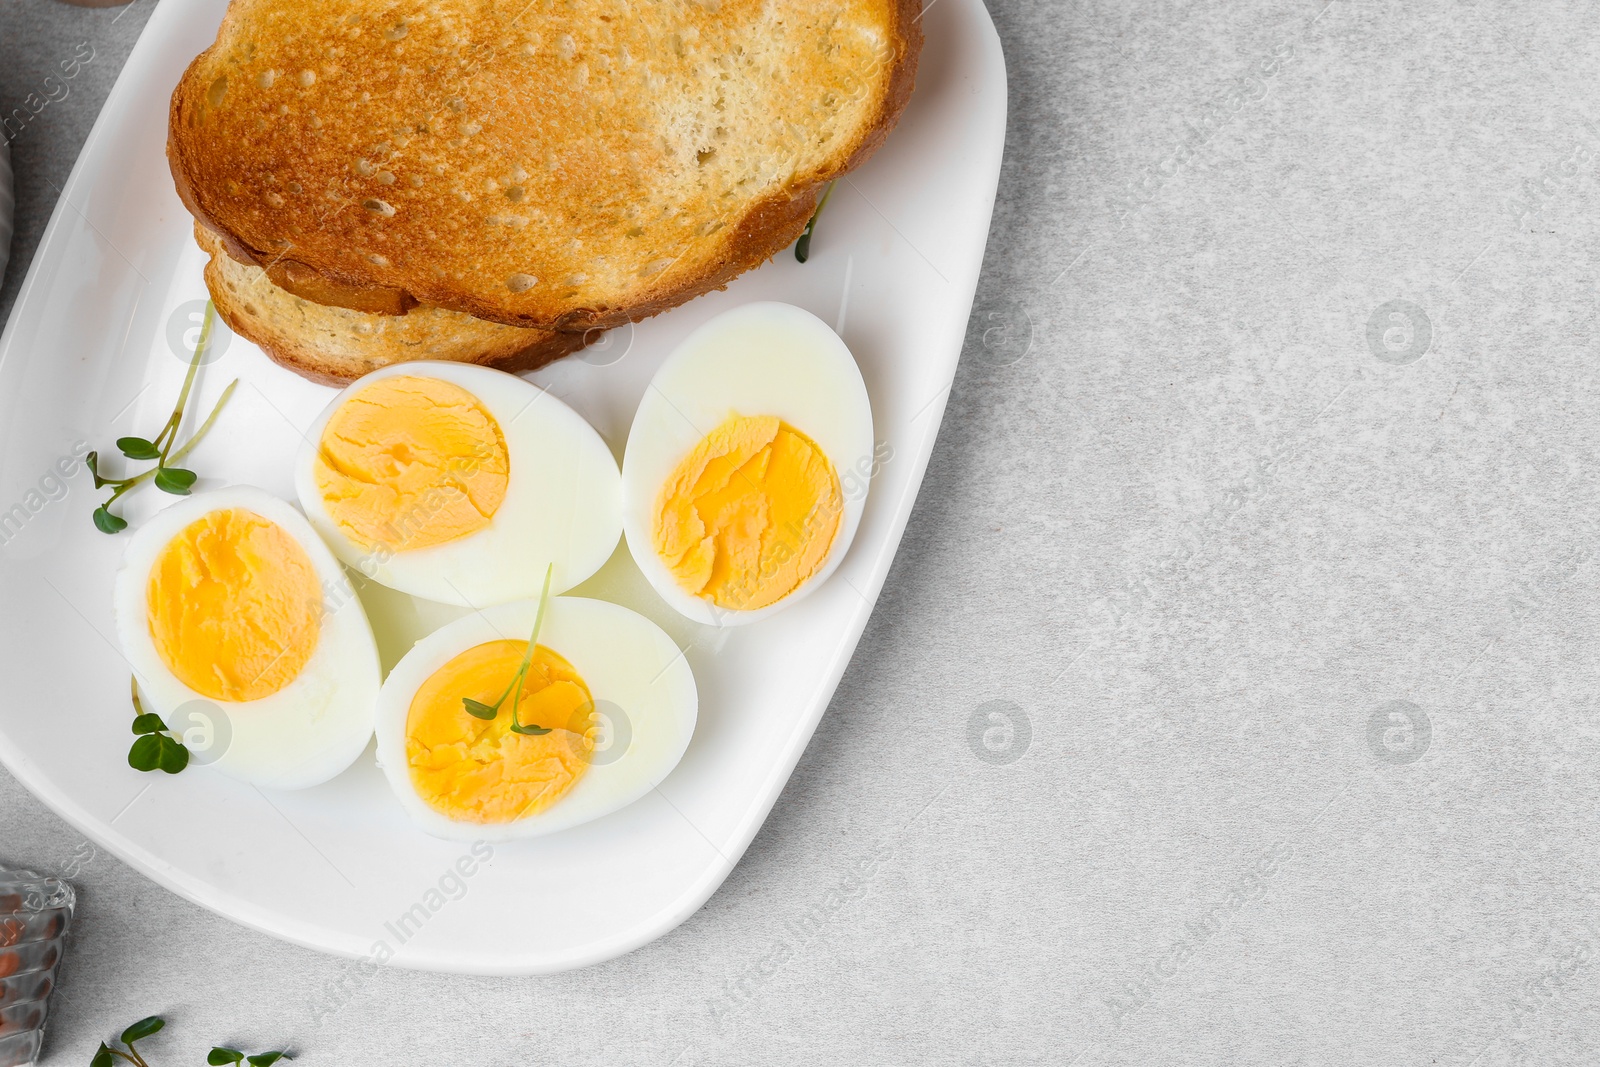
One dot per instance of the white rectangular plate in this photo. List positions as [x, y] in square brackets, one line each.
[87, 358]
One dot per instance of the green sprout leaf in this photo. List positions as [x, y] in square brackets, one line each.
[518, 728]
[173, 757]
[174, 480]
[92, 461]
[149, 723]
[142, 1029]
[108, 523]
[478, 709]
[138, 448]
[145, 755]
[156, 748]
[219, 1056]
[158, 752]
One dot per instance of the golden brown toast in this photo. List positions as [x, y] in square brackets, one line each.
[335, 345]
[554, 164]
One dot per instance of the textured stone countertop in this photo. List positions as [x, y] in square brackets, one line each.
[1233, 697]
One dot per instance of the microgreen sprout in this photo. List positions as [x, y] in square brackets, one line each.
[167, 476]
[137, 1032]
[478, 709]
[802, 247]
[106, 1054]
[221, 1055]
[156, 746]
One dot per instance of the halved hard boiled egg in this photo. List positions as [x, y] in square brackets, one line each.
[224, 609]
[459, 484]
[483, 740]
[748, 464]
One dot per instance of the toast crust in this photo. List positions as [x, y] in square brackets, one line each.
[334, 345]
[416, 156]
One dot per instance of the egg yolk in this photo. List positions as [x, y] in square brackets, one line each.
[749, 514]
[234, 606]
[477, 770]
[410, 462]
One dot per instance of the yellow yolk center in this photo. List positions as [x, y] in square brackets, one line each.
[478, 770]
[749, 514]
[410, 462]
[234, 606]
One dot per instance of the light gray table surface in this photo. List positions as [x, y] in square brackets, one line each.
[1233, 697]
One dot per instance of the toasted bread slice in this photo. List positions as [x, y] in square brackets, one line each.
[548, 165]
[335, 345]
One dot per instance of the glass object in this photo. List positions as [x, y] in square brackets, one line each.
[6, 203]
[35, 912]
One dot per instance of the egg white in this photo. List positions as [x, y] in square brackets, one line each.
[764, 358]
[310, 730]
[562, 503]
[633, 671]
